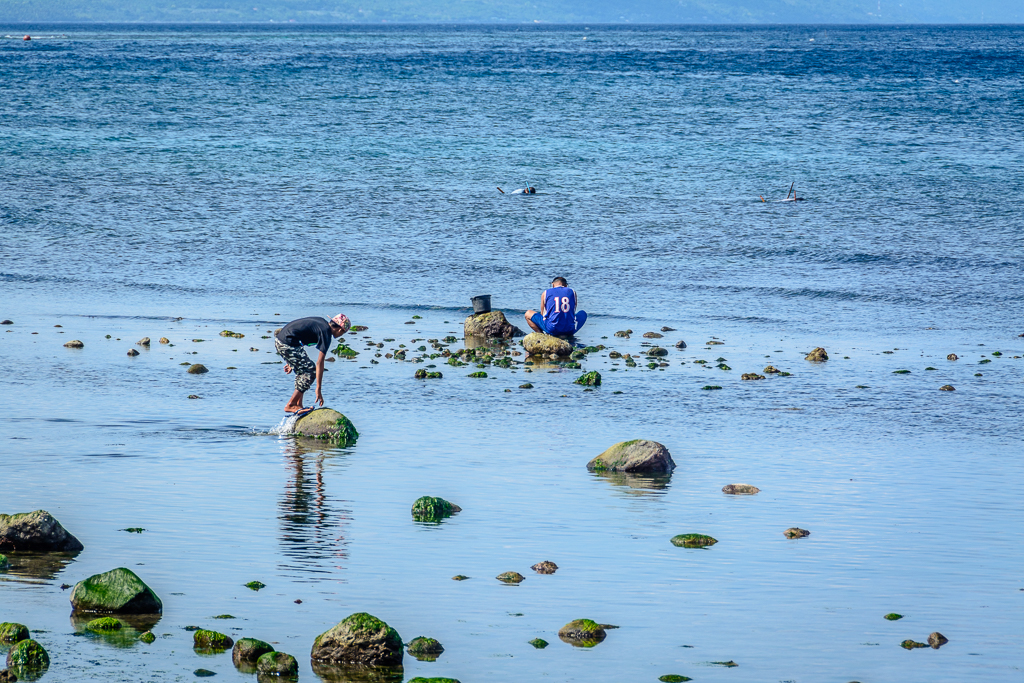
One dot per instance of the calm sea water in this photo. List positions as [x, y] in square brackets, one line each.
[239, 177]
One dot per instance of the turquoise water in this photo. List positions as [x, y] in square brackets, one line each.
[239, 178]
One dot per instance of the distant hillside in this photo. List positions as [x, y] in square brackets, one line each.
[493, 11]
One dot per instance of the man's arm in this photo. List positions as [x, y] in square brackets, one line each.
[543, 303]
[320, 379]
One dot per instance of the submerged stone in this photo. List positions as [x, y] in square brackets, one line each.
[35, 531]
[248, 650]
[952, 356]
[657, 351]
[796, 532]
[420, 679]
[327, 425]
[912, 644]
[132, 352]
[539, 643]
[947, 387]
[203, 673]
[425, 649]
[360, 639]
[277, 664]
[510, 577]
[147, 637]
[818, 355]
[582, 633]
[710, 387]
[770, 370]
[937, 640]
[255, 585]
[740, 489]
[74, 344]
[892, 616]
[104, 624]
[674, 678]
[751, 376]
[204, 639]
[638, 455]
[545, 567]
[652, 335]
[459, 577]
[431, 509]
[540, 344]
[118, 591]
[27, 657]
[693, 541]
[197, 369]
[11, 632]
[590, 379]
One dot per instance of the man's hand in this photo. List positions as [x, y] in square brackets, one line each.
[319, 398]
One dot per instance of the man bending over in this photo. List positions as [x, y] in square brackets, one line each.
[560, 318]
[289, 341]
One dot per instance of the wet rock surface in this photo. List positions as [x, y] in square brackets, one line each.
[35, 531]
[740, 489]
[204, 639]
[693, 541]
[937, 640]
[26, 658]
[74, 344]
[491, 325]
[638, 455]
[248, 650]
[361, 639]
[545, 567]
[912, 644]
[277, 664]
[582, 633]
[11, 632]
[796, 532]
[540, 344]
[196, 369]
[818, 355]
[118, 591]
[433, 509]
[590, 379]
[327, 425]
[510, 577]
[425, 649]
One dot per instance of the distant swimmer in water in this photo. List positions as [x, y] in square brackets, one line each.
[522, 190]
[289, 342]
[560, 317]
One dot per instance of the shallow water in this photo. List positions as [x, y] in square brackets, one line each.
[127, 203]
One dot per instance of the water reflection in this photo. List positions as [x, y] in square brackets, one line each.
[127, 636]
[312, 524]
[637, 484]
[43, 566]
[333, 673]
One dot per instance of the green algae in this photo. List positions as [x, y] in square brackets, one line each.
[224, 616]
[104, 624]
[255, 585]
[432, 509]
[892, 616]
[674, 678]
[693, 541]
[204, 639]
[539, 643]
[4, 563]
[116, 591]
[912, 644]
[28, 657]
[901, 372]
[277, 664]
[343, 350]
[147, 637]
[11, 632]
[710, 387]
[591, 379]
[478, 375]
[510, 577]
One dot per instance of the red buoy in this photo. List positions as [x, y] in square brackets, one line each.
[27, 38]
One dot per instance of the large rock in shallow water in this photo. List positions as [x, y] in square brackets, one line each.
[28, 657]
[329, 425]
[633, 456]
[540, 344]
[118, 591]
[37, 531]
[360, 640]
[492, 325]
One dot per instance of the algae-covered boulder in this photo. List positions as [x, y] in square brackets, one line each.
[277, 664]
[248, 650]
[510, 577]
[197, 369]
[818, 355]
[361, 640]
[11, 632]
[35, 531]
[118, 591]
[582, 633]
[432, 509]
[147, 637]
[539, 643]
[912, 644]
[796, 532]
[328, 425]
[425, 649]
[674, 678]
[27, 657]
[693, 541]
[740, 489]
[589, 379]
[540, 344]
[639, 455]
[490, 325]
[211, 640]
[657, 351]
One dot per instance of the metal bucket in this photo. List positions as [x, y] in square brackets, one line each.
[482, 303]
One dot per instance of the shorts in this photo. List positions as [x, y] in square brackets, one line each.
[538, 320]
[302, 366]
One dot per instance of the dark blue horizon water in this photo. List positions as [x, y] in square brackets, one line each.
[239, 176]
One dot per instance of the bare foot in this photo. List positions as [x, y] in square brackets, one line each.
[293, 409]
[287, 369]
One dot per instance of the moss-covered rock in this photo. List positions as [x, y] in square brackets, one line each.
[229, 333]
[892, 616]
[104, 624]
[327, 425]
[510, 577]
[674, 678]
[693, 541]
[35, 531]
[432, 509]
[248, 650]
[277, 664]
[490, 325]
[204, 639]
[425, 649]
[361, 639]
[539, 643]
[638, 455]
[589, 379]
[947, 387]
[255, 585]
[582, 633]
[478, 375]
[657, 351]
[751, 376]
[652, 335]
[11, 632]
[740, 489]
[796, 532]
[818, 355]
[118, 591]
[420, 679]
[27, 657]
[147, 637]
[540, 344]
[912, 644]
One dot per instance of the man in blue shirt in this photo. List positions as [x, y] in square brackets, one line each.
[560, 318]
